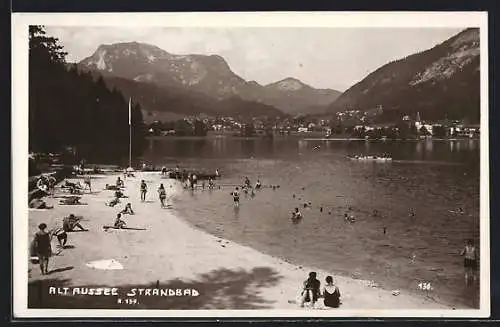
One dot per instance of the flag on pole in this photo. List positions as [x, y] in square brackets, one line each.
[130, 111]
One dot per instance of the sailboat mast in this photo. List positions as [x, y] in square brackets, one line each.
[130, 132]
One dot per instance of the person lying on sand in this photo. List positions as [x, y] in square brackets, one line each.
[311, 290]
[119, 194]
[71, 222]
[111, 187]
[39, 204]
[73, 200]
[113, 202]
[119, 223]
[128, 209]
[73, 187]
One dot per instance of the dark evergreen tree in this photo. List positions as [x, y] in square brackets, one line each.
[69, 108]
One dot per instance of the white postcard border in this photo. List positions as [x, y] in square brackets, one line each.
[20, 23]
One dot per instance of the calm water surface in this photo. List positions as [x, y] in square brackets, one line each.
[431, 177]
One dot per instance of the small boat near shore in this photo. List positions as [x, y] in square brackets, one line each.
[371, 158]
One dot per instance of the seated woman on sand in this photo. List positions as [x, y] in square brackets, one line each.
[119, 223]
[71, 222]
[127, 209]
[331, 293]
[311, 291]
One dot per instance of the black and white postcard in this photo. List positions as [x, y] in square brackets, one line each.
[303, 164]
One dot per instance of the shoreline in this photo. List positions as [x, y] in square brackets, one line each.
[172, 253]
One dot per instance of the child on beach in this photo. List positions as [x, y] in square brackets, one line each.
[61, 235]
[162, 194]
[128, 209]
[331, 294]
[119, 182]
[42, 247]
[311, 291]
[144, 190]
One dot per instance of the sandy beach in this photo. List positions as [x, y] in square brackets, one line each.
[172, 254]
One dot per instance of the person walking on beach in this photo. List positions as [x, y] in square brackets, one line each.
[311, 291]
[470, 261]
[144, 190]
[87, 182]
[162, 194]
[43, 248]
[331, 294]
[236, 197]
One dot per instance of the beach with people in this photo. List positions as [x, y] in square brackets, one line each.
[163, 251]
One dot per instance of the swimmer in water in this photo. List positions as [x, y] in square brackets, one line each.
[296, 214]
[349, 218]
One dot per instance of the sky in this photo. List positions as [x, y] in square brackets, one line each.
[334, 58]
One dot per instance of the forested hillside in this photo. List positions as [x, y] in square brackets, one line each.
[69, 108]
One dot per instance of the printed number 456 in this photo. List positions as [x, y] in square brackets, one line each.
[426, 286]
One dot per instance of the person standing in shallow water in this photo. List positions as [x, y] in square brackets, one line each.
[43, 248]
[236, 197]
[470, 261]
[144, 190]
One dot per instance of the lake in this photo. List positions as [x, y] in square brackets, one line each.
[430, 178]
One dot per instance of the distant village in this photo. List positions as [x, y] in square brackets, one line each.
[345, 124]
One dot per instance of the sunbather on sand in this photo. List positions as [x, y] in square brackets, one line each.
[113, 202]
[73, 200]
[119, 194]
[119, 223]
[127, 209]
[111, 187]
[39, 204]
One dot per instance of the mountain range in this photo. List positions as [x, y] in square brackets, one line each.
[204, 75]
[442, 82]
